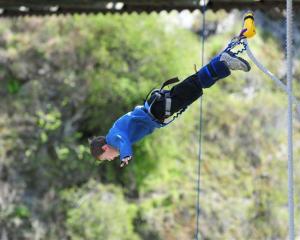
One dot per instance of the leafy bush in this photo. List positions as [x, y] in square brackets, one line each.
[99, 212]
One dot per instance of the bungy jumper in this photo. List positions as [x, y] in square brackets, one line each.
[249, 31]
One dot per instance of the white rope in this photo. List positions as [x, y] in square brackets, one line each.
[291, 99]
[197, 232]
[273, 77]
[289, 63]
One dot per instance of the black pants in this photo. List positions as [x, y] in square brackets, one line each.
[182, 95]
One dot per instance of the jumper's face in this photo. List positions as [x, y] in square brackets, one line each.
[109, 153]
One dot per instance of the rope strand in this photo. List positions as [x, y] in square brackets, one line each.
[289, 64]
[273, 77]
[197, 235]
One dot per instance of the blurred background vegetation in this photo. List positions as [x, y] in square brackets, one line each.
[64, 79]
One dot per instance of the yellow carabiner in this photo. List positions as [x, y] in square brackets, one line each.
[249, 26]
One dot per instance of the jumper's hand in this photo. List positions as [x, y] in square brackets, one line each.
[125, 161]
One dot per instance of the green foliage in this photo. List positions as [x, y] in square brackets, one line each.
[99, 212]
[22, 212]
[13, 86]
[67, 78]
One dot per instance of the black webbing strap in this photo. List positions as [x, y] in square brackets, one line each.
[170, 81]
[212, 71]
[249, 16]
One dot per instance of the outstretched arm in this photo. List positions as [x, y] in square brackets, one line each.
[125, 149]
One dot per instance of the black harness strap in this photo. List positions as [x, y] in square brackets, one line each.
[212, 72]
[170, 81]
[158, 94]
[249, 16]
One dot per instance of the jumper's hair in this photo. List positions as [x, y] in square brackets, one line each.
[96, 144]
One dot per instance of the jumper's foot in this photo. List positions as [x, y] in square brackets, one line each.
[234, 62]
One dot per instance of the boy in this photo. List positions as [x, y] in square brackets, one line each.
[162, 104]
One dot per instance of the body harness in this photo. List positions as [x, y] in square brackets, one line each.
[160, 94]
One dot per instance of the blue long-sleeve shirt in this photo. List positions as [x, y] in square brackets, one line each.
[129, 129]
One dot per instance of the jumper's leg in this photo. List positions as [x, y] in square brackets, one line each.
[219, 67]
[190, 89]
